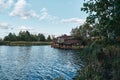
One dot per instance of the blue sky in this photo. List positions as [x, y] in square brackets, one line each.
[54, 17]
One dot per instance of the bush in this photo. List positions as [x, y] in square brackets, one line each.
[103, 63]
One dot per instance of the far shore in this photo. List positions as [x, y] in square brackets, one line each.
[24, 43]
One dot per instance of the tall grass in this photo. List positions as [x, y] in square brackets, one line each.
[23, 43]
[103, 62]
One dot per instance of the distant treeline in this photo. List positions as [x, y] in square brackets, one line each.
[26, 36]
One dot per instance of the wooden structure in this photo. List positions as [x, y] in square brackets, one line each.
[67, 42]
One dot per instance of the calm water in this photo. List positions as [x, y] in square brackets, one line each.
[37, 63]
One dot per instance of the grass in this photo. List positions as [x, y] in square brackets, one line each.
[103, 63]
[23, 43]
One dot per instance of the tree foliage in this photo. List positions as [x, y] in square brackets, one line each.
[24, 36]
[82, 32]
[49, 38]
[41, 37]
[106, 14]
[102, 57]
[10, 37]
[102, 62]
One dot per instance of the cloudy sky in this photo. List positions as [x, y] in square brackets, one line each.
[54, 17]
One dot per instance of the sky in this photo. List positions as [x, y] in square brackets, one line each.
[54, 17]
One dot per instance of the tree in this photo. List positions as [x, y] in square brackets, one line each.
[21, 36]
[28, 36]
[34, 37]
[41, 37]
[10, 37]
[103, 58]
[106, 14]
[49, 38]
[1, 39]
[82, 32]
[24, 36]
[76, 33]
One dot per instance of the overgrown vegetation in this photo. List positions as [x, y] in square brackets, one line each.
[102, 52]
[103, 62]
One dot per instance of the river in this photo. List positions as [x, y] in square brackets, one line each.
[37, 63]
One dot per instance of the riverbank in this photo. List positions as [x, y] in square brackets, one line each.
[102, 62]
[23, 43]
[68, 47]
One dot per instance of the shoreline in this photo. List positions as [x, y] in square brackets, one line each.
[68, 47]
[23, 43]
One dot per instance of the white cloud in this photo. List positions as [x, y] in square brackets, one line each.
[24, 28]
[45, 16]
[9, 3]
[5, 4]
[4, 25]
[20, 9]
[43, 10]
[73, 20]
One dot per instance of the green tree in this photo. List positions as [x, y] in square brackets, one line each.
[49, 38]
[24, 36]
[10, 37]
[21, 36]
[76, 32]
[41, 37]
[34, 37]
[0, 39]
[102, 57]
[28, 36]
[106, 14]
[82, 32]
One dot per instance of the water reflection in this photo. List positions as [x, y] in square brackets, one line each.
[37, 63]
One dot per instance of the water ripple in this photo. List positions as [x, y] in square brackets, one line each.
[37, 63]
